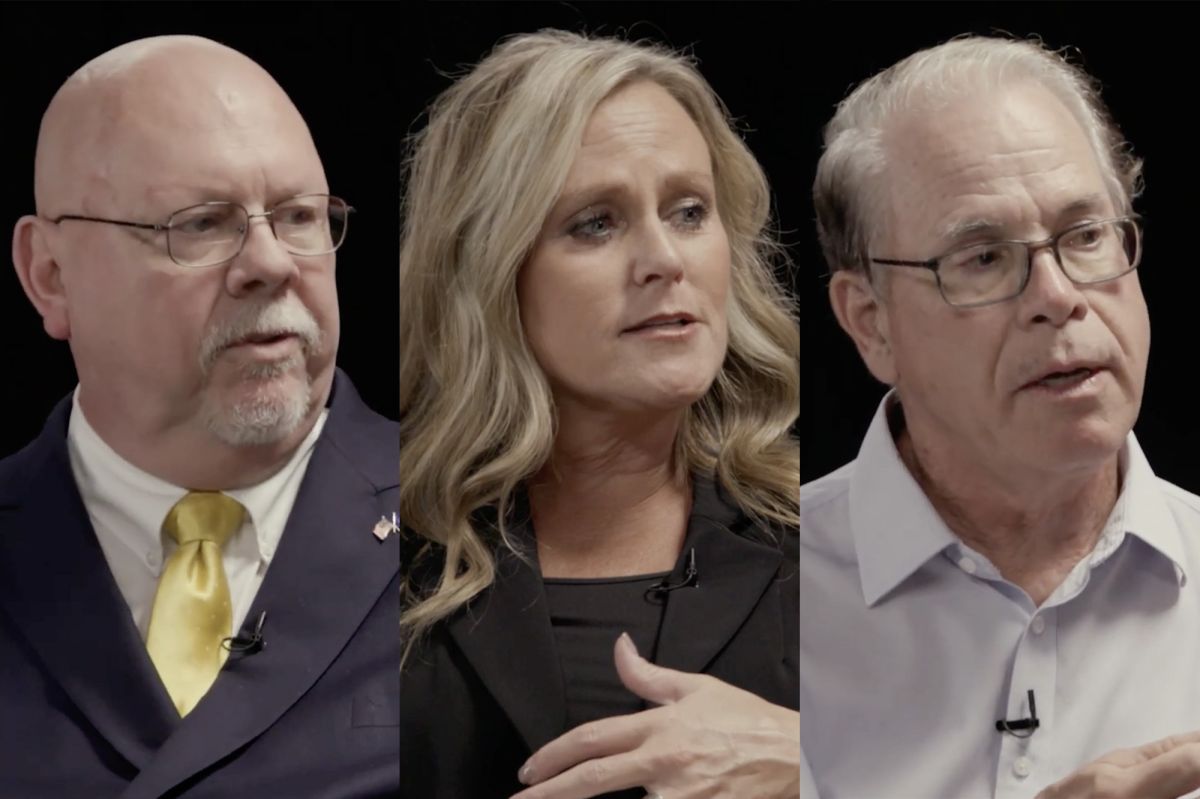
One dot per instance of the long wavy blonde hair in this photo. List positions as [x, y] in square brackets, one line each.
[477, 416]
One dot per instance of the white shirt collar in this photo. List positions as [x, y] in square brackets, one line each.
[897, 530]
[106, 480]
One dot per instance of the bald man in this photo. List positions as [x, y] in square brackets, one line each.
[198, 589]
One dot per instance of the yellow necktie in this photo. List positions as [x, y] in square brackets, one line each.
[192, 612]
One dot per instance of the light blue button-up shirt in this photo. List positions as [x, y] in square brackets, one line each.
[912, 645]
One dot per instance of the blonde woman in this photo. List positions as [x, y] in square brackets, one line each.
[599, 488]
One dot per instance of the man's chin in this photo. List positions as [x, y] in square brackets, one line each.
[232, 378]
[262, 408]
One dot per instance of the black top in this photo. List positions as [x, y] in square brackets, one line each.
[587, 617]
[487, 687]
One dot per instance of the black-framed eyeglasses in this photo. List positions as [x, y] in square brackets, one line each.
[213, 233]
[984, 274]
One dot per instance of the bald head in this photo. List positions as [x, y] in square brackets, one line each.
[133, 107]
[146, 131]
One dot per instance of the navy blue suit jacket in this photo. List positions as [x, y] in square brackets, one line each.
[313, 715]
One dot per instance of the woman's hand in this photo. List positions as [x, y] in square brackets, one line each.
[706, 739]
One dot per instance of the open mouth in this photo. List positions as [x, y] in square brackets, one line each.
[265, 338]
[653, 325]
[1065, 379]
[674, 322]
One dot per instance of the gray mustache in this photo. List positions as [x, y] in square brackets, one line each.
[284, 316]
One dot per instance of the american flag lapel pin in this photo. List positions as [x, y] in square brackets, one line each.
[385, 526]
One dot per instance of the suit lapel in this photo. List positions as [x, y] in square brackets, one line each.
[506, 636]
[733, 572]
[57, 588]
[327, 575]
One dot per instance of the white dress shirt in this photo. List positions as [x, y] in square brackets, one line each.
[912, 645]
[127, 507]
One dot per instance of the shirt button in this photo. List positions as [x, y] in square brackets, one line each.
[1022, 766]
[153, 560]
[1038, 626]
[967, 565]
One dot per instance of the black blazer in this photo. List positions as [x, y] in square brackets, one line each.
[313, 715]
[484, 690]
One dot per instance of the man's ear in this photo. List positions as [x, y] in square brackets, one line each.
[864, 316]
[40, 275]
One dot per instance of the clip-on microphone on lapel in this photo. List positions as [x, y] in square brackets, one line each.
[690, 577]
[245, 645]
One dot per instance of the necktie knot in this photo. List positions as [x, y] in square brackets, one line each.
[204, 516]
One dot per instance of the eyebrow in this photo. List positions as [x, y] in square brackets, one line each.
[607, 189]
[990, 228]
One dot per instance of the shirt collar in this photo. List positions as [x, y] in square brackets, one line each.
[263, 499]
[1147, 515]
[896, 529]
[108, 480]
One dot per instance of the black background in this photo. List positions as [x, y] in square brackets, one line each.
[361, 73]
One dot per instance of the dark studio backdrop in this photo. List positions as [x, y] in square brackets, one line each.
[343, 68]
[362, 73]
